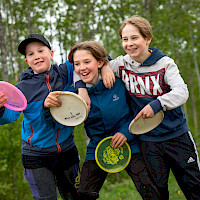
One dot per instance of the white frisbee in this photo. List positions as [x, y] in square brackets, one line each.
[142, 126]
[73, 111]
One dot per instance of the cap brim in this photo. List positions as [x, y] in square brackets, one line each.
[24, 43]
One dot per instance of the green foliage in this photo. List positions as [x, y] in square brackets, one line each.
[11, 170]
[176, 27]
[79, 137]
[125, 190]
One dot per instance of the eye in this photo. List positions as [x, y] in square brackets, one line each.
[30, 54]
[134, 37]
[124, 39]
[76, 64]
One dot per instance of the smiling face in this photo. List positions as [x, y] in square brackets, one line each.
[38, 57]
[86, 66]
[134, 44]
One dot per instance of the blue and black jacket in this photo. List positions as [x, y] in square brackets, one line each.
[39, 138]
[109, 114]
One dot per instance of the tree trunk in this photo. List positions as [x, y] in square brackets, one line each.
[194, 109]
[15, 37]
[3, 50]
[79, 20]
[195, 62]
[9, 42]
[29, 17]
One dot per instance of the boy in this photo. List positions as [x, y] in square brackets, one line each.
[109, 116]
[49, 155]
[154, 84]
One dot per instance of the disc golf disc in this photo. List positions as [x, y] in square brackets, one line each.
[73, 111]
[16, 99]
[110, 159]
[142, 126]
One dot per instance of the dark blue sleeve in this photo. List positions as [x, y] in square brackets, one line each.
[70, 70]
[124, 128]
[49, 120]
[156, 106]
[2, 109]
[79, 84]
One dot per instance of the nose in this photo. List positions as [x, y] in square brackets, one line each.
[37, 56]
[82, 67]
[129, 42]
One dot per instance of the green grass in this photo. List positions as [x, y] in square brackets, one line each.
[125, 190]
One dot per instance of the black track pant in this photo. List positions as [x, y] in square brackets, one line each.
[178, 154]
[92, 179]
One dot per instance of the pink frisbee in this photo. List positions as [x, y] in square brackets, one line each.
[16, 99]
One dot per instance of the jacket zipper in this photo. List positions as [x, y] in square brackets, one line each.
[50, 90]
[57, 143]
[48, 84]
[29, 139]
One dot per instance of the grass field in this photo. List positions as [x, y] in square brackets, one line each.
[125, 190]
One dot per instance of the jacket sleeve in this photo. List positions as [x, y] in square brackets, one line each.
[124, 129]
[70, 70]
[178, 93]
[49, 120]
[2, 110]
[78, 83]
[8, 116]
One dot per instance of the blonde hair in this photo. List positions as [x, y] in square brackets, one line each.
[141, 23]
[95, 48]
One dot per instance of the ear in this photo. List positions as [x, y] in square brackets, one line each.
[100, 64]
[52, 53]
[148, 41]
[26, 60]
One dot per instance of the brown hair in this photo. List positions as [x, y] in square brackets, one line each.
[141, 23]
[96, 49]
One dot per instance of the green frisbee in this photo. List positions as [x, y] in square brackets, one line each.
[110, 159]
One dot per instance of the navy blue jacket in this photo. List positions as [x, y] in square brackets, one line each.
[108, 115]
[36, 135]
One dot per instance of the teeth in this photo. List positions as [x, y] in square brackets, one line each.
[85, 73]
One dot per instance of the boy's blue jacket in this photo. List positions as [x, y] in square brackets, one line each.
[37, 135]
[108, 115]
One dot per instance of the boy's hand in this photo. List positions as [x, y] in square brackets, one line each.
[146, 112]
[3, 99]
[84, 94]
[107, 76]
[52, 100]
[118, 140]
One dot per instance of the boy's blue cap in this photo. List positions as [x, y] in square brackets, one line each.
[32, 38]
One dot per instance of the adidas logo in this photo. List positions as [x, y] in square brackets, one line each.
[191, 159]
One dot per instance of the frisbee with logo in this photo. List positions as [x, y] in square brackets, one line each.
[73, 111]
[142, 126]
[110, 159]
[16, 99]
